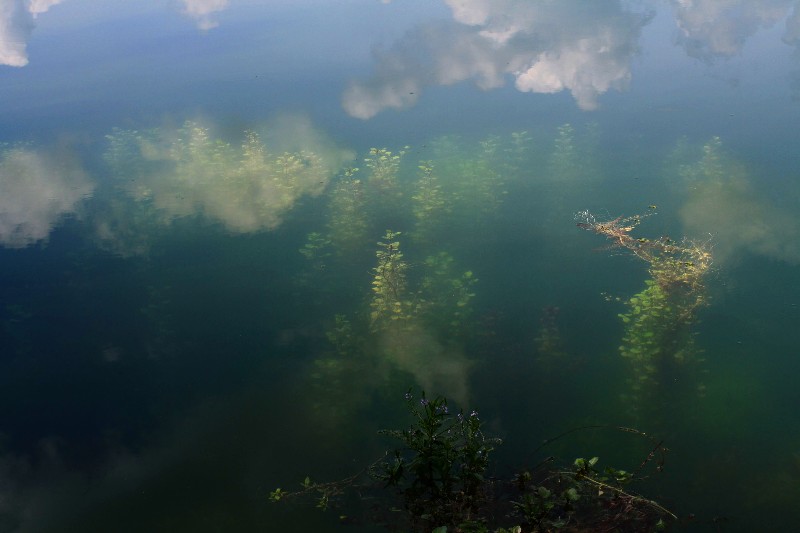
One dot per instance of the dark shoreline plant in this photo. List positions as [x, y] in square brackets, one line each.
[441, 466]
[440, 476]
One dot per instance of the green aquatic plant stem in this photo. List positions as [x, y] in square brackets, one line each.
[429, 204]
[659, 319]
[389, 298]
[348, 221]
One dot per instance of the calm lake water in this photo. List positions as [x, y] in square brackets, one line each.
[234, 234]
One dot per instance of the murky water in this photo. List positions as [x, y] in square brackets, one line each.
[234, 235]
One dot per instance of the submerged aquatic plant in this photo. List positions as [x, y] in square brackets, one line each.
[659, 320]
[430, 204]
[348, 223]
[389, 299]
[549, 344]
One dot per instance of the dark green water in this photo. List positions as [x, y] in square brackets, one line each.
[189, 310]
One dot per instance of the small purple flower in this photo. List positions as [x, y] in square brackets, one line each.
[460, 417]
[423, 402]
[408, 396]
[442, 409]
[474, 413]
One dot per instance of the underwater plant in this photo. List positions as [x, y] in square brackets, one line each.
[565, 162]
[659, 321]
[348, 223]
[446, 295]
[389, 297]
[549, 344]
[429, 205]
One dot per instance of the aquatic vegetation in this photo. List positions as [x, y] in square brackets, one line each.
[430, 206]
[675, 266]
[518, 152]
[719, 192]
[390, 300]
[442, 301]
[336, 376]
[474, 178]
[549, 343]
[187, 172]
[446, 295]
[415, 326]
[382, 183]
[342, 337]
[573, 163]
[481, 185]
[659, 321]
[384, 166]
[318, 251]
[348, 223]
[711, 167]
[419, 305]
[440, 472]
[564, 161]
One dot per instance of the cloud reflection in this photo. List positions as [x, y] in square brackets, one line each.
[721, 198]
[203, 10]
[36, 190]
[16, 26]
[246, 187]
[546, 47]
[711, 29]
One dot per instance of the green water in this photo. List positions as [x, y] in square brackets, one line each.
[229, 248]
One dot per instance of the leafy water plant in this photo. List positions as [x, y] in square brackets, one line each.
[389, 296]
[549, 344]
[446, 295]
[659, 319]
[348, 222]
[429, 204]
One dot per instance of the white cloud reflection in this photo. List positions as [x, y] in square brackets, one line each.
[17, 21]
[792, 34]
[547, 47]
[246, 187]
[202, 11]
[36, 191]
[710, 29]
[723, 199]
[16, 27]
